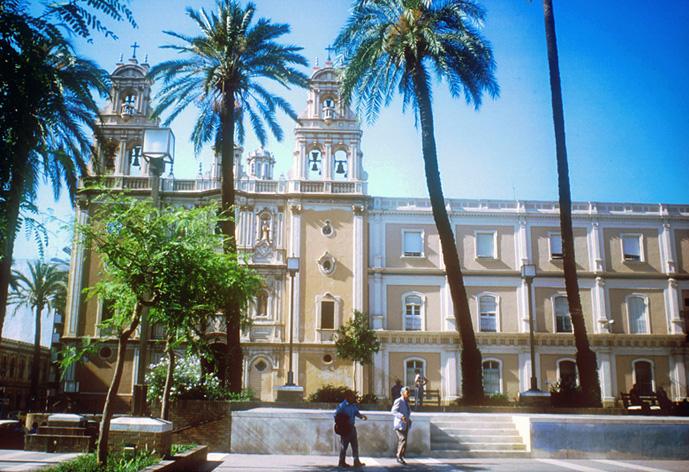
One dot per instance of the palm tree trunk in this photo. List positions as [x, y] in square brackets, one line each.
[122, 340]
[234, 357]
[36, 362]
[472, 381]
[10, 211]
[586, 358]
[165, 402]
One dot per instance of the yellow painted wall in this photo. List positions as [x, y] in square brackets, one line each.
[625, 369]
[506, 259]
[510, 373]
[396, 366]
[543, 305]
[656, 306]
[549, 368]
[613, 251]
[314, 373]
[507, 307]
[540, 247]
[395, 309]
[394, 247]
[313, 282]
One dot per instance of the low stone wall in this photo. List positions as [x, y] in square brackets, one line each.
[613, 437]
[201, 422]
[288, 431]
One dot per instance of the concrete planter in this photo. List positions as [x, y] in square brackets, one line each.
[190, 460]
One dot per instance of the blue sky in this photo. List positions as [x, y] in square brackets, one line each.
[625, 77]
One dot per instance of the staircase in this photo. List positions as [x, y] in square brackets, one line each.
[476, 435]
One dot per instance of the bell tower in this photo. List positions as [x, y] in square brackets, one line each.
[328, 136]
[120, 134]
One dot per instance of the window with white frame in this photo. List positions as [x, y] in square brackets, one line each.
[327, 314]
[485, 244]
[555, 242]
[567, 373]
[413, 243]
[488, 313]
[637, 310]
[410, 368]
[491, 377]
[413, 312]
[643, 377]
[631, 248]
[563, 322]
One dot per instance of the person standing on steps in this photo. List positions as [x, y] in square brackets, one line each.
[420, 382]
[402, 423]
[349, 407]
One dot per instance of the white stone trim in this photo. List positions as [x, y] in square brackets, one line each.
[496, 249]
[77, 275]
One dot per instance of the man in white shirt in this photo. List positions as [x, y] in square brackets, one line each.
[402, 423]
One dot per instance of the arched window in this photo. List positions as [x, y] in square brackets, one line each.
[129, 104]
[340, 168]
[567, 373]
[563, 322]
[491, 377]
[488, 313]
[413, 316]
[638, 314]
[643, 377]
[410, 368]
[314, 163]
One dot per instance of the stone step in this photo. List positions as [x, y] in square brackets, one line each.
[473, 424]
[477, 438]
[475, 418]
[465, 430]
[478, 446]
[450, 453]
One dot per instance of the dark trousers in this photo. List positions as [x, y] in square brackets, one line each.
[345, 441]
[401, 442]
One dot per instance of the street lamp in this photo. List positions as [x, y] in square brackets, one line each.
[158, 149]
[528, 273]
[292, 269]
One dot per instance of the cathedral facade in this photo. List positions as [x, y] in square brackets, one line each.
[382, 256]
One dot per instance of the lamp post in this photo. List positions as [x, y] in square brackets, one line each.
[292, 269]
[528, 273]
[158, 150]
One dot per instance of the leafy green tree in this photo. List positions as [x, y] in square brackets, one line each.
[356, 341]
[393, 45]
[47, 111]
[586, 358]
[41, 288]
[149, 257]
[221, 71]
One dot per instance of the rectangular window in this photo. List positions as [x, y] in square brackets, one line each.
[631, 247]
[413, 243]
[491, 377]
[637, 315]
[327, 315]
[485, 245]
[107, 312]
[555, 246]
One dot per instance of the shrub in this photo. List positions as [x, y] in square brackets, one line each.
[368, 398]
[187, 381]
[120, 461]
[330, 394]
[497, 399]
[181, 448]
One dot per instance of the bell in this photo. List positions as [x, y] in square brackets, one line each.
[136, 161]
[314, 167]
[340, 167]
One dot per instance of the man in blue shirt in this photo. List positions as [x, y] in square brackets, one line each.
[350, 408]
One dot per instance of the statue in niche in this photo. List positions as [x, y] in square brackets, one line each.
[265, 232]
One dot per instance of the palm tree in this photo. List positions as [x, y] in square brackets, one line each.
[586, 358]
[392, 44]
[220, 73]
[44, 120]
[41, 288]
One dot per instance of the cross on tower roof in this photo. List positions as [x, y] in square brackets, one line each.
[330, 49]
[134, 46]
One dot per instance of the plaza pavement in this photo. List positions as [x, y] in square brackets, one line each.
[12, 460]
[219, 462]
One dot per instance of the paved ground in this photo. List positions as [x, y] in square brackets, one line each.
[12, 460]
[16, 461]
[250, 462]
